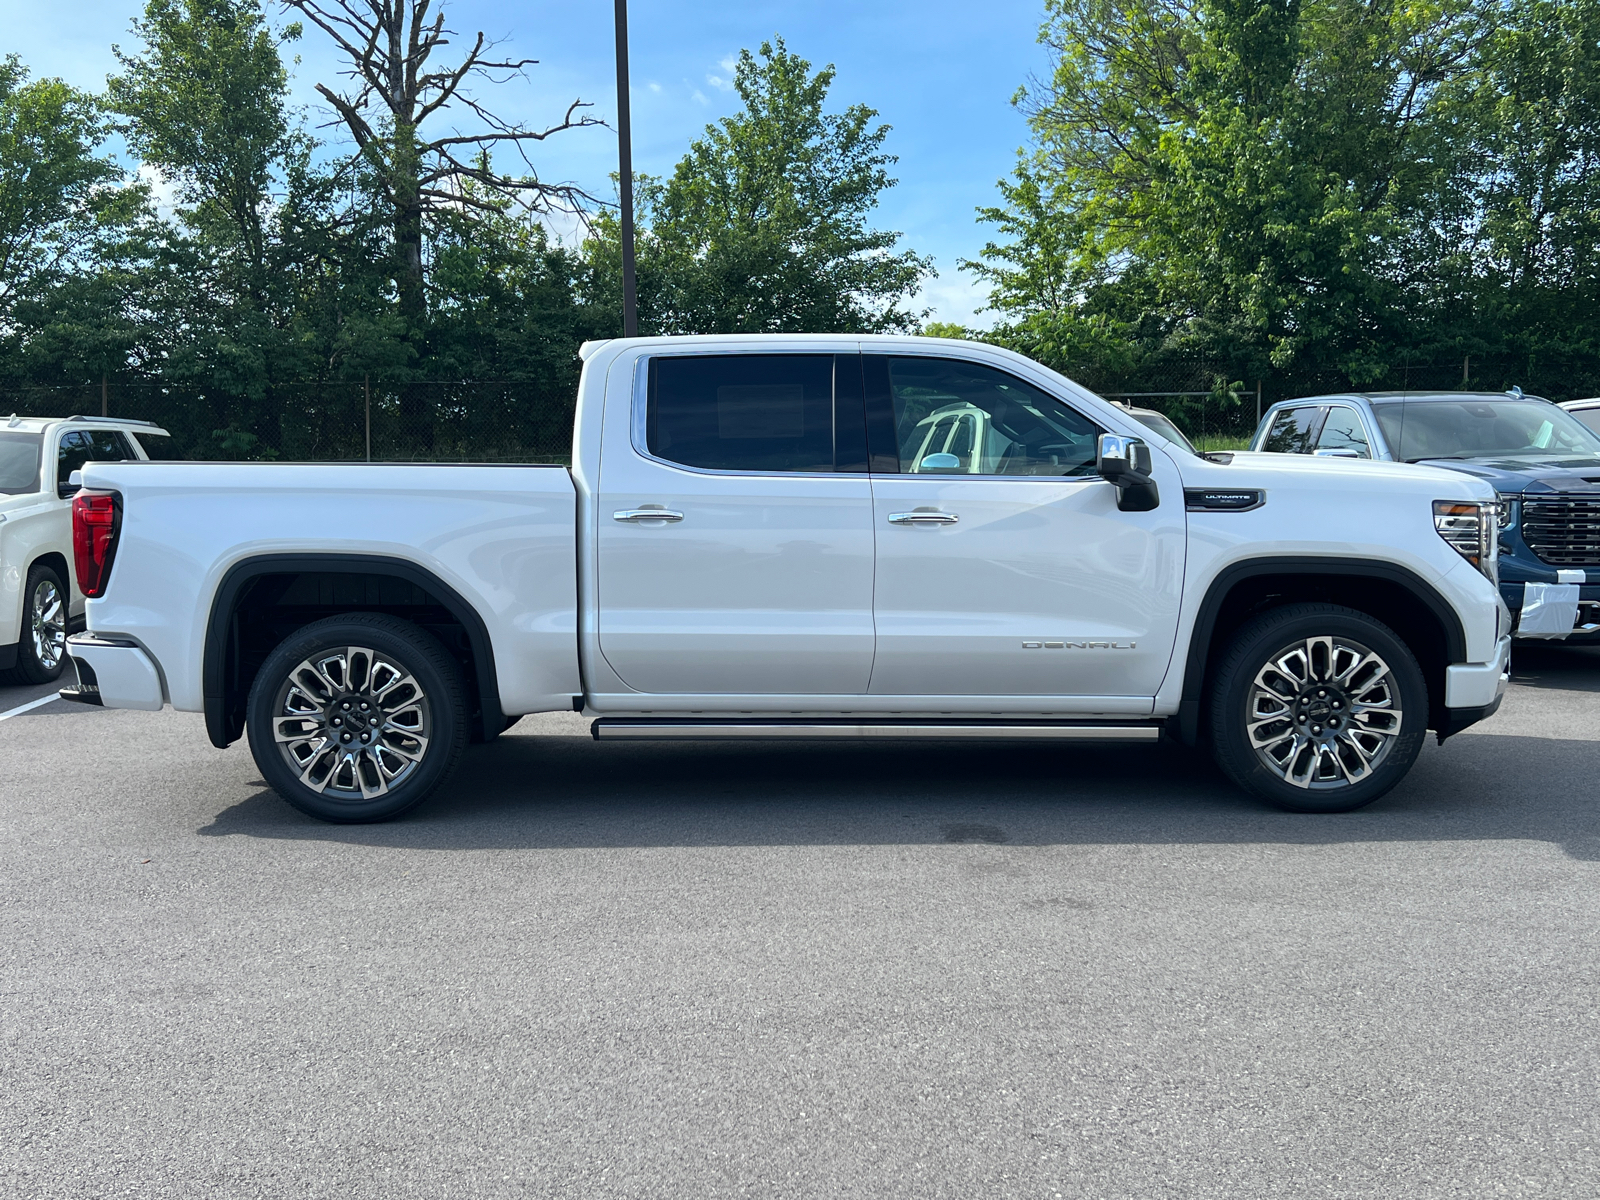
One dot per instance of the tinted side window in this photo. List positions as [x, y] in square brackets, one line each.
[19, 462]
[1343, 430]
[953, 417]
[742, 412]
[1294, 430]
[89, 445]
[1590, 418]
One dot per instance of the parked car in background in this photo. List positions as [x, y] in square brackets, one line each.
[1161, 423]
[1587, 411]
[1543, 460]
[786, 536]
[39, 596]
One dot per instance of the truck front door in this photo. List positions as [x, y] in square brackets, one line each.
[735, 542]
[1004, 567]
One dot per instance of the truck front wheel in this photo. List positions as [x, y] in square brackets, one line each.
[1318, 708]
[357, 718]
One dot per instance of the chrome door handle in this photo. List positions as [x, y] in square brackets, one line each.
[923, 518]
[647, 514]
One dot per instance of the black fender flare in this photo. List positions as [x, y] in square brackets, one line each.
[222, 726]
[1187, 723]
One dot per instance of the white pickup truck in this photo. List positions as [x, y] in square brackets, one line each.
[39, 598]
[803, 537]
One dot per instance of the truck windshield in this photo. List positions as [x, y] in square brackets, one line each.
[1425, 429]
[19, 462]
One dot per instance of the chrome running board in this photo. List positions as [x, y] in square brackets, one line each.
[721, 729]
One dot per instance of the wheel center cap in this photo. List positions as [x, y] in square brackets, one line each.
[1322, 708]
[353, 719]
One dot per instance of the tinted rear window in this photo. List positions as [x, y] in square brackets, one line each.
[19, 462]
[1294, 430]
[742, 412]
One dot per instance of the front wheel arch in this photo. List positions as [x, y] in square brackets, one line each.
[1392, 594]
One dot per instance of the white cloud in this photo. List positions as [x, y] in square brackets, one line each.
[722, 82]
[162, 190]
[655, 87]
[953, 297]
[698, 97]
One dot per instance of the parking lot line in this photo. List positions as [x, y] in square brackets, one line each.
[28, 707]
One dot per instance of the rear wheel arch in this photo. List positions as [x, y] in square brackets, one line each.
[1388, 592]
[256, 585]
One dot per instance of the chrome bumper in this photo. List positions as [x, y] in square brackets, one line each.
[113, 671]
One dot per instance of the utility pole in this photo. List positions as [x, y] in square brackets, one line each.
[630, 298]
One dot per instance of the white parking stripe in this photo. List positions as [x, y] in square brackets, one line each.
[28, 707]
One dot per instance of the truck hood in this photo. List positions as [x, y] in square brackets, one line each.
[1255, 468]
[1515, 473]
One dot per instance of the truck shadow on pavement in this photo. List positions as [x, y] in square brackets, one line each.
[1556, 666]
[562, 792]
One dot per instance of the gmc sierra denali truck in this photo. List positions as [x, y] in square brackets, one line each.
[802, 537]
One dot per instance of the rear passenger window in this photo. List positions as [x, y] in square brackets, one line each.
[742, 412]
[1294, 430]
[1342, 430]
[81, 446]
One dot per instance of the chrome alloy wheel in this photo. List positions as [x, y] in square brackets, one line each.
[351, 723]
[1324, 713]
[47, 622]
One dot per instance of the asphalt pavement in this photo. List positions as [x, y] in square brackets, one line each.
[633, 970]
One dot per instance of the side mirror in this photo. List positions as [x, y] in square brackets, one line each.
[939, 462]
[1339, 452]
[72, 486]
[1124, 462]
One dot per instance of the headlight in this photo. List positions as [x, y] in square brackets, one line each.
[1506, 511]
[1470, 530]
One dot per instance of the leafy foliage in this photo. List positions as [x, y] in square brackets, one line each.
[763, 226]
[1304, 188]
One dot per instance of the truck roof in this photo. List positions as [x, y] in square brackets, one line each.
[1418, 397]
[40, 424]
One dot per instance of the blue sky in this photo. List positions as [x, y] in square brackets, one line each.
[940, 72]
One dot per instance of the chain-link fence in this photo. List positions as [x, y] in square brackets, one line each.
[1219, 409]
[497, 421]
[453, 421]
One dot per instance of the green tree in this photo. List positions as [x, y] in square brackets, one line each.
[1233, 177]
[60, 201]
[764, 224]
[397, 118]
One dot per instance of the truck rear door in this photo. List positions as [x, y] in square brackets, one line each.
[735, 544]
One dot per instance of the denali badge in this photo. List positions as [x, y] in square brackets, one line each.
[1067, 645]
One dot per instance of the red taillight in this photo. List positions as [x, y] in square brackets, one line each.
[96, 521]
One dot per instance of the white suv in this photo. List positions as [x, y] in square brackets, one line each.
[39, 596]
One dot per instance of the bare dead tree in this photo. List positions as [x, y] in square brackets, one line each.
[397, 89]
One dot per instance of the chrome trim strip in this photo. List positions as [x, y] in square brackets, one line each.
[622, 729]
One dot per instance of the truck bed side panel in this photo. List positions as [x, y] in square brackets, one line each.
[501, 536]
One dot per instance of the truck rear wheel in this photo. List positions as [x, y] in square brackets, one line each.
[357, 718]
[1318, 708]
[42, 648]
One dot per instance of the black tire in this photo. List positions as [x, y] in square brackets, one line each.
[1348, 731]
[357, 690]
[41, 643]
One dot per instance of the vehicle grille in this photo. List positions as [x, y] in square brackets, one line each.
[1564, 532]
